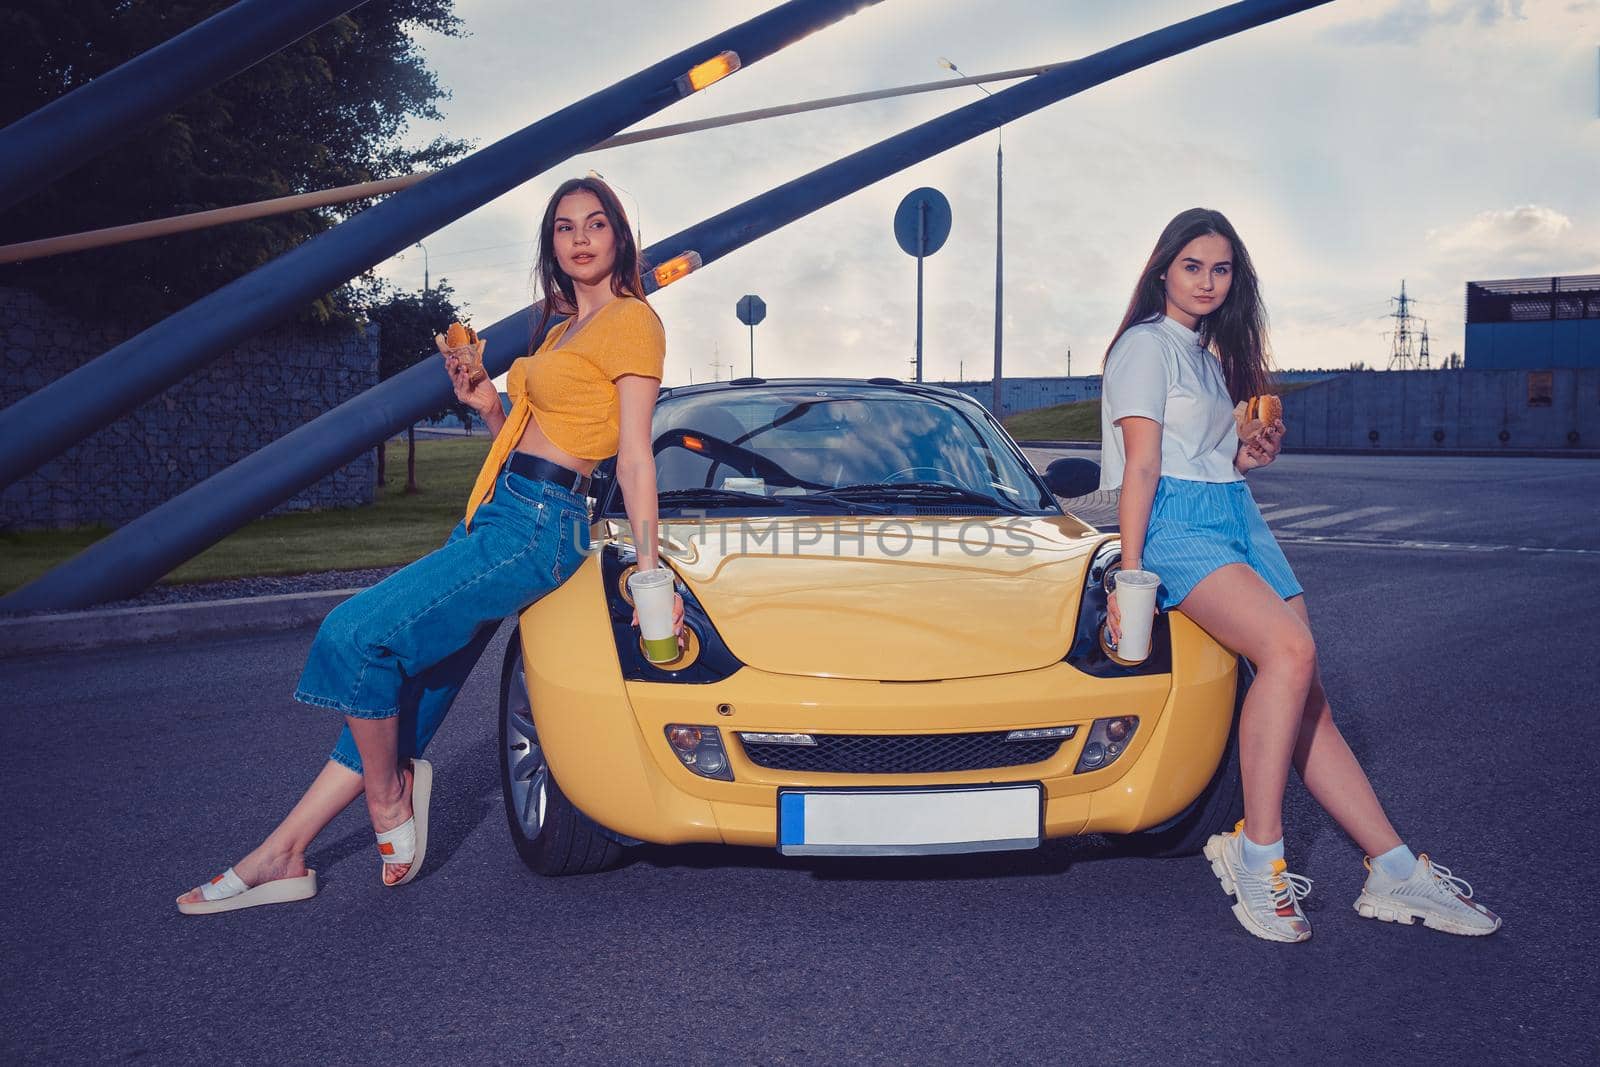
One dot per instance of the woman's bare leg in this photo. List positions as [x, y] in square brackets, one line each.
[388, 788]
[283, 853]
[1235, 606]
[1331, 771]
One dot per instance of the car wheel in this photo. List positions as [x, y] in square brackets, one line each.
[1216, 810]
[551, 835]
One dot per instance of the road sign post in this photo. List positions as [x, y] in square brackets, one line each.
[751, 310]
[921, 226]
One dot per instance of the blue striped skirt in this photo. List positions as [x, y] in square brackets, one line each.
[1197, 527]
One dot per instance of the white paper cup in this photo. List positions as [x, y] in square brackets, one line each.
[653, 597]
[1136, 598]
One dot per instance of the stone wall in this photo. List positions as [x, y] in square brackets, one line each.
[251, 396]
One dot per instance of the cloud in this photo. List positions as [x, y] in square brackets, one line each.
[1530, 234]
[1345, 170]
[1406, 22]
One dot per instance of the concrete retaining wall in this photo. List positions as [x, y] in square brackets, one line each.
[1478, 409]
[1028, 394]
[249, 397]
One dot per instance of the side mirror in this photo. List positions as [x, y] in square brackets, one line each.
[1072, 477]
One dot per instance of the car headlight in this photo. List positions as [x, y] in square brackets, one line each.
[1086, 653]
[699, 748]
[706, 659]
[1108, 739]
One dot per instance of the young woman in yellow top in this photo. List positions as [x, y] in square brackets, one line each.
[393, 658]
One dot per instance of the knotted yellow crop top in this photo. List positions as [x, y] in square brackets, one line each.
[571, 391]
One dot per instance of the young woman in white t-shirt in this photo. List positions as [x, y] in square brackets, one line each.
[1192, 344]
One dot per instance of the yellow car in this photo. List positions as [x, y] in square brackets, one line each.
[893, 649]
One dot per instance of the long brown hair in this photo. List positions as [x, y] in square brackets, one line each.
[1236, 331]
[555, 285]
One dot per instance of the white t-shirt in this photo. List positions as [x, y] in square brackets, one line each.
[1158, 370]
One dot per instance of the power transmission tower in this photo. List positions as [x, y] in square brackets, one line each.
[1402, 356]
[1422, 353]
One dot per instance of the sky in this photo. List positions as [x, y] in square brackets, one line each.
[1353, 146]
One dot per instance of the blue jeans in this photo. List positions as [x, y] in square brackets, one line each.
[405, 646]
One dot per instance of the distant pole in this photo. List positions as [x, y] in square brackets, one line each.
[1069, 361]
[424, 248]
[998, 409]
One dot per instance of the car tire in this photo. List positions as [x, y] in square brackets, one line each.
[551, 835]
[1216, 810]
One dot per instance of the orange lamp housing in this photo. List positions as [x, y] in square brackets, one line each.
[676, 268]
[712, 70]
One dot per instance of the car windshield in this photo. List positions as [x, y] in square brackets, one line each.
[779, 448]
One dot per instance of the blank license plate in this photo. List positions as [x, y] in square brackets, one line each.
[908, 822]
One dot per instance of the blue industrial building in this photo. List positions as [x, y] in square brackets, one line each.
[1533, 323]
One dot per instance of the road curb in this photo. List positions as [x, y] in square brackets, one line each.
[1508, 453]
[73, 631]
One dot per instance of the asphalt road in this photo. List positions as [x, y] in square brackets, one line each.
[1453, 604]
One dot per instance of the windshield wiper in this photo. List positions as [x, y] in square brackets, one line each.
[918, 491]
[733, 497]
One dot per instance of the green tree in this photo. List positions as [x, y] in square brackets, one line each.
[407, 322]
[330, 109]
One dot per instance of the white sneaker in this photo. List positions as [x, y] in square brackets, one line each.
[1267, 902]
[1440, 899]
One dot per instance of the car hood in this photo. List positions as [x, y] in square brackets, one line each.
[902, 599]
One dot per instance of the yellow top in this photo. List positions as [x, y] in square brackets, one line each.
[571, 391]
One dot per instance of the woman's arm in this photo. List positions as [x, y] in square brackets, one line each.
[636, 475]
[483, 397]
[1141, 441]
[636, 464]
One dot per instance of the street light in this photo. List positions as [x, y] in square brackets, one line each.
[998, 405]
[424, 266]
[638, 216]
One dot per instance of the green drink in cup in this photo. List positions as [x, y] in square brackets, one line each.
[653, 597]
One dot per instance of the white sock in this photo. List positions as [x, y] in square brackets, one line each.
[1260, 857]
[1397, 863]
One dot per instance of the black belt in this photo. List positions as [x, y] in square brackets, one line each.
[542, 470]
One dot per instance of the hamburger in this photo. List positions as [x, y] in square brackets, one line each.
[463, 343]
[1256, 414]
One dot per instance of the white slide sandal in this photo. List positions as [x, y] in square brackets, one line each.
[227, 892]
[408, 842]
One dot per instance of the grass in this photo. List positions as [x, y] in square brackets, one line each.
[395, 529]
[1079, 420]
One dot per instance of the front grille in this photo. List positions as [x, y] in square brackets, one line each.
[901, 753]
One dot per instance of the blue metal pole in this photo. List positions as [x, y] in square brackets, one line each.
[46, 423]
[141, 552]
[113, 107]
